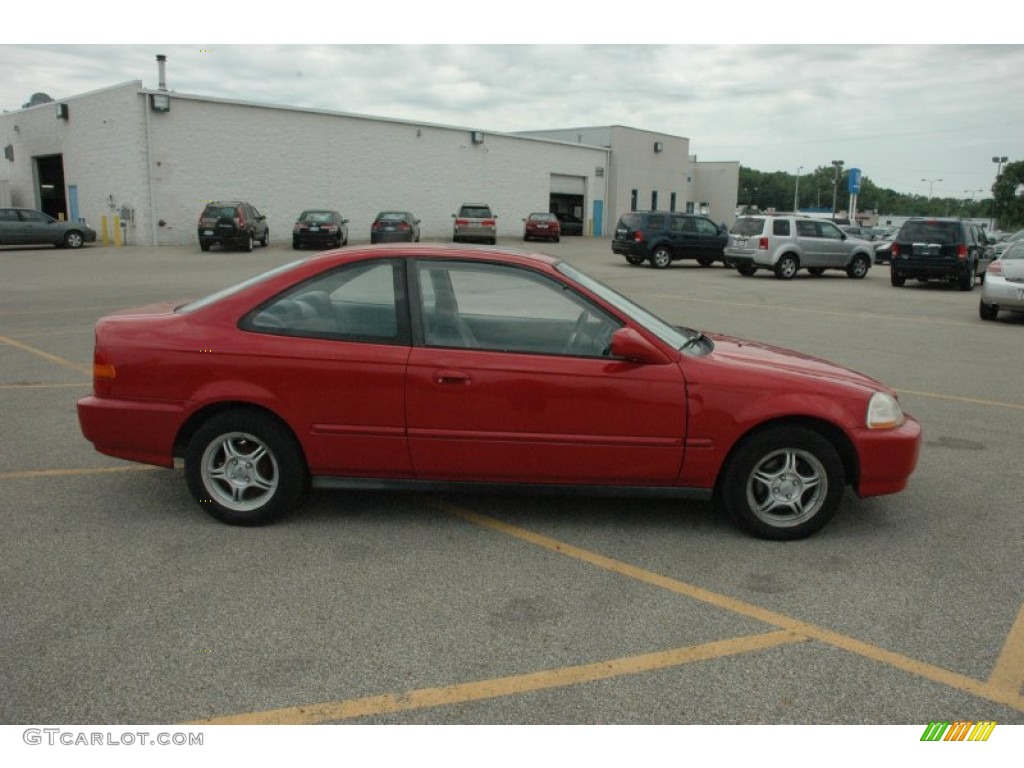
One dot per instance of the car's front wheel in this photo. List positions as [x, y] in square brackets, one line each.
[661, 257]
[858, 268]
[245, 468]
[783, 483]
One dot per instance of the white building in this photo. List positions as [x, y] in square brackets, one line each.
[155, 157]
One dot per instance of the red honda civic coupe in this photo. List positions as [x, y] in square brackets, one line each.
[422, 366]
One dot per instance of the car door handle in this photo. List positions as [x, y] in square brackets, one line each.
[451, 377]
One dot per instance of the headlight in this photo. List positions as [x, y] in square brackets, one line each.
[884, 412]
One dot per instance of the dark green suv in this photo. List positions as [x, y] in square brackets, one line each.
[955, 250]
[661, 237]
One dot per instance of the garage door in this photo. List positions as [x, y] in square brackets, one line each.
[567, 185]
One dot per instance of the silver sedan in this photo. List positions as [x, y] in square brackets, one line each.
[24, 226]
[1004, 283]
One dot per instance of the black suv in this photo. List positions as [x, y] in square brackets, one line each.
[660, 238]
[955, 250]
[232, 224]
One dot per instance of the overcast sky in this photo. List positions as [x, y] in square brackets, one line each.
[901, 113]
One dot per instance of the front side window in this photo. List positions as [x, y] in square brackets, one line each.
[706, 227]
[830, 231]
[357, 302]
[508, 309]
[35, 217]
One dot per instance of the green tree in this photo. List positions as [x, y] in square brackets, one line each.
[1008, 206]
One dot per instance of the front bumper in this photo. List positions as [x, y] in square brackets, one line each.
[887, 458]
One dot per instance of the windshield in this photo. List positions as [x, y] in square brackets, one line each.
[231, 290]
[669, 334]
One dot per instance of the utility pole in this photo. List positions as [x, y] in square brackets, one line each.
[835, 185]
[796, 192]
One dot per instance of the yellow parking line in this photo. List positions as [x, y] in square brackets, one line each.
[505, 686]
[46, 355]
[29, 473]
[986, 690]
[80, 385]
[960, 399]
[1008, 673]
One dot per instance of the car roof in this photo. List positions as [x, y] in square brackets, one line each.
[454, 251]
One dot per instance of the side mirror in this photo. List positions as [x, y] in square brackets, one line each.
[628, 344]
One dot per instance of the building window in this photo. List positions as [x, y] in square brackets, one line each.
[634, 196]
[672, 203]
[654, 200]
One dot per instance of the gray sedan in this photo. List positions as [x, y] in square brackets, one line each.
[24, 226]
[1004, 283]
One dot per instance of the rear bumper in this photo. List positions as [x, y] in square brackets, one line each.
[887, 458]
[391, 237]
[136, 430]
[936, 269]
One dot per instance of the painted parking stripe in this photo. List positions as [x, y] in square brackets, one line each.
[998, 692]
[1008, 673]
[47, 356]
[29, 473]
[460, 693]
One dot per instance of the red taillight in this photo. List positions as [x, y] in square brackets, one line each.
[488, 222]
[995, 268]
[461, 222]
[402, 225]
[638, 236]
[961, 252]
[894, 250]
[376, 225]
[762, 244]
[241, 220]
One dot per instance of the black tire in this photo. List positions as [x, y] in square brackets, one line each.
[635, 260]
[705, 262]
[296, 245]
[747, 270]
[661, 257]
[558, 239]
[987, 311]
[244, 468]
[265, 239]
[966, 281]
[73, 239]
[897, 279]
[816, 271]
[783, 483]
[248, 244]
[786, 267]
[204, 245]
[858, 268]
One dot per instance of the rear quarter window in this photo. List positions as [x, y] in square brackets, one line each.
[780, 227]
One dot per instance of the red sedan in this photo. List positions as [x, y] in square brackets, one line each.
[421, 366]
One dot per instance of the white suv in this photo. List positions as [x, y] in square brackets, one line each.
[787, 244]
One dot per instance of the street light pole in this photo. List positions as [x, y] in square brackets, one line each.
[998, 160]
[835, 185]
[931, 185]
[796, 192]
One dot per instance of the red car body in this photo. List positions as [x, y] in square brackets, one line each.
[542, 226]
[638, 414]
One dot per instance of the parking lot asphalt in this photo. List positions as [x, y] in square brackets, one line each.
[124, 603]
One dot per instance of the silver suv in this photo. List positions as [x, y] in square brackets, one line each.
[787, 244]
[474, 221]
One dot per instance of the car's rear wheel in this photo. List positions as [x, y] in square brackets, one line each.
[635, 260]
[245, 468]
[265, 239]
[816, 271]
[786, 267]
[249, 243]
[73, 239]
[705, 262]
[858, 268]
[966, 282]
[897, 279]
[785, 482]
[747, 270]
[204, 245]
[661, 257]
[987, 311]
